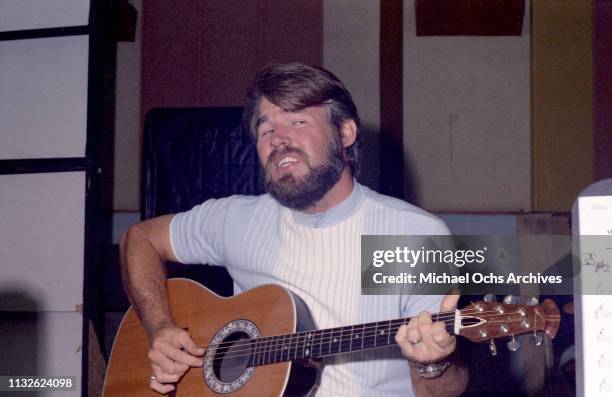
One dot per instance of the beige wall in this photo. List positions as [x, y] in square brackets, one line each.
[562, 70]
[467, 119]
[127, 121]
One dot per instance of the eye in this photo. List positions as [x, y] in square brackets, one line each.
[299, 122]
[266, 132]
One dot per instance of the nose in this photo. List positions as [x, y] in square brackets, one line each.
[280, 137]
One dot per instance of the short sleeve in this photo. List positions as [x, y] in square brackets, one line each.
[197, 235]
[412, 305]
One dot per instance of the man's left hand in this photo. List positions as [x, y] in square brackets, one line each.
[423, 341]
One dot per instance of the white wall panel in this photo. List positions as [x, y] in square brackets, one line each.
[38, 14]
[43, 97]
[351, 50]
[42, 344]
[42, 240]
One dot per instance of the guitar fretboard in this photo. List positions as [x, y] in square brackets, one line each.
[327, 342]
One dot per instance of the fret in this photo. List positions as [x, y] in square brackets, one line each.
[268, 350]
[251, 361]
[298, 339]
[380, 339]
[262, 350]
[279, 348]
[307, 345]
[351, 339]
[289, 346]
[361, 335]
[325, 335]
[275, 357]
[316, 344]
[375, 335]
[284, 356]
[301, 345]
[256, 353]
[334, 340]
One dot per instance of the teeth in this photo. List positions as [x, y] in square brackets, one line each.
[286, 161]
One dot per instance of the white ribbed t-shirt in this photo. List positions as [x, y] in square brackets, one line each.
[318, 258]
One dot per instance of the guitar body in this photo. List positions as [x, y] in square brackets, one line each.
[267, 310]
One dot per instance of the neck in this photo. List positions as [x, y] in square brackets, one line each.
[333, 341]
[337, 194]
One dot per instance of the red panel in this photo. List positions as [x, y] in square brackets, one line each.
[391, 99]
[469, 17]
[602, 87]
[206, 53]
[230, 50]
[292, 30]
[170, 48]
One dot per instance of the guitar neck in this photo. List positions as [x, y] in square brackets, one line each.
[332, 341]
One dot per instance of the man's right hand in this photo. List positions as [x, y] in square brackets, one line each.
[171, 354]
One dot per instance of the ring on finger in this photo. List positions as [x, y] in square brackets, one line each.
[415, 342]
[152, 378]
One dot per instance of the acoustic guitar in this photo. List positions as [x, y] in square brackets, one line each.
[263, 342]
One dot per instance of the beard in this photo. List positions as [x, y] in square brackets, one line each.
[300, 193]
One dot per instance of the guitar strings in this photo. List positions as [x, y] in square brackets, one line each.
[442, 316]
[302, 336]
[269, 346]
[274, 352]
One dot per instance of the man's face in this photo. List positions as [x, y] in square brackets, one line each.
[301, 153]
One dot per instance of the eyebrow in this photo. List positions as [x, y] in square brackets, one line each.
[260, 121]
[263, 118]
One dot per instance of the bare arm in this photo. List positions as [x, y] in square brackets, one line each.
[144, 249]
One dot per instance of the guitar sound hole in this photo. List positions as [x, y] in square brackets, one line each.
[232, 359]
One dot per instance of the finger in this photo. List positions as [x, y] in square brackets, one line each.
[449, 302]
[412, 333]
[190, 346]
[408, 339]
[173, 350]
[161, 388]
[424, 326]
[164, 368]
[440, 336]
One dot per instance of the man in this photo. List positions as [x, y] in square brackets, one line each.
[304, 235]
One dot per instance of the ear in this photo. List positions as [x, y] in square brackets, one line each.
[348, 132]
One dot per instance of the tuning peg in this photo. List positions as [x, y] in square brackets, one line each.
[536, 339]
[492, 348]
[514, 344]
[511, 299]
[532, 301]
[490, 298]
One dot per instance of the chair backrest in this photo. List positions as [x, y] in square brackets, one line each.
[193, 154]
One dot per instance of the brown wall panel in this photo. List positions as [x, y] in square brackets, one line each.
[562, 111]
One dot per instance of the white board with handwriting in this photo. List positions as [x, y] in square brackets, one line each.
[593, 248]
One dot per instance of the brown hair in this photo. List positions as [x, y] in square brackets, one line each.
[295, 86]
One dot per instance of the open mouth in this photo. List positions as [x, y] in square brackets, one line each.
[286, 162]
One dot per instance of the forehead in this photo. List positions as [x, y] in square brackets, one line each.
[267, 110]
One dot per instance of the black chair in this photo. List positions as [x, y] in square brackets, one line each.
[189, 156]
